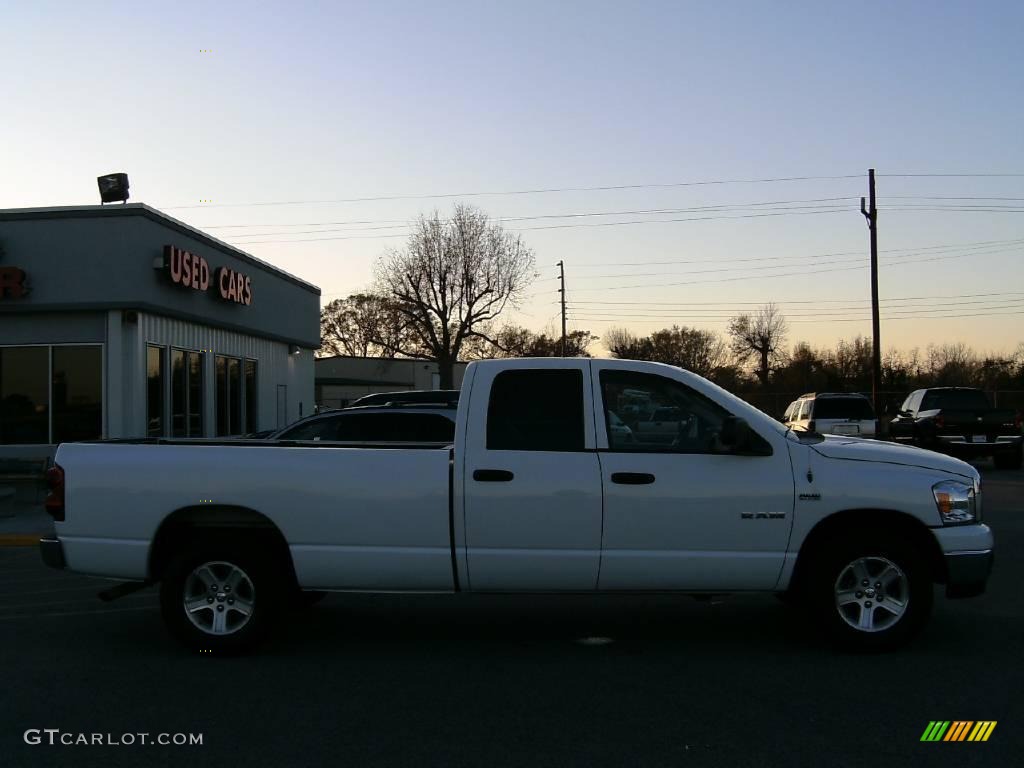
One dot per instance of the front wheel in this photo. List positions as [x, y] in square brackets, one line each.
[870, 595]
[221, 597]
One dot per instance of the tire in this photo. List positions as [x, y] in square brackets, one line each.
[850, 611]
[242, 588]
[1010, 459]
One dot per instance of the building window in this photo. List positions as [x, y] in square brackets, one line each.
[233, 399]
[77, 394]
[221, 371]
[235, 395]
[250, 396]
[186, 393]
[179, 394]
[51, 394]
[24, 395]
[154, 391]
[195, 393]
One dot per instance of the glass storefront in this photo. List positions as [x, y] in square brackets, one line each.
[186, 393]
[154, 391]
[51, 394]
[235, 400]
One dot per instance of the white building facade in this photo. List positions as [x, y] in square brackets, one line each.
[120, 321]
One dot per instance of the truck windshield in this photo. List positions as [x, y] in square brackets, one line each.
[955, 400]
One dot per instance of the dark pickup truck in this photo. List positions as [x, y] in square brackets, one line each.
[959, 421]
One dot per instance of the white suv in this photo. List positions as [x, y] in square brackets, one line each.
[832, 413]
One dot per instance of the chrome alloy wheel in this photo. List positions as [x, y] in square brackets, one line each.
[219, 598]
[872, 594]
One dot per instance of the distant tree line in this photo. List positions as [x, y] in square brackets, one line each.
[440, 298]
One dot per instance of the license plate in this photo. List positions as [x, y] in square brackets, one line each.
[978, 439]
[845, 429]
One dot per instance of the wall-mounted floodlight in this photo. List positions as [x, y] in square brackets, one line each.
[113, 187]
[294, 349]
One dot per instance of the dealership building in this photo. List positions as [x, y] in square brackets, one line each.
[120, 321]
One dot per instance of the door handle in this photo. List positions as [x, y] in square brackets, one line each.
[632, 478]
[492, 475]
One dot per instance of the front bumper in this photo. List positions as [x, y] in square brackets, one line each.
[52, 551]
[958, 445]
[968, 554]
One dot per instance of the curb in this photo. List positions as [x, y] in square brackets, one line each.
[20, 539]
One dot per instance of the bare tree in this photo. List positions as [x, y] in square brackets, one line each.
[516, 341]
[452, 280]
[759, 337]
[694, 349]
[361, 325]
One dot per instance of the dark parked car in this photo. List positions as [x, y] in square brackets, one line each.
[959, 421]
[446, 397]
[387, 424]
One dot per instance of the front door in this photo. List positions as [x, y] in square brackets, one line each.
[680, 513]
[532, 481]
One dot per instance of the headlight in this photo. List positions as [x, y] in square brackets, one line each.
[956, 502]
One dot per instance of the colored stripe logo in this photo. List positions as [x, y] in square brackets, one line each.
[958, 730]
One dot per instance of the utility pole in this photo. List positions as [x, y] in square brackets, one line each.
[561, 277]
[871, 214]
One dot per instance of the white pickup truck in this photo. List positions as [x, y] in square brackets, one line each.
[537, 494]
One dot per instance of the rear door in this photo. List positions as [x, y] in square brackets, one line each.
[532, 481]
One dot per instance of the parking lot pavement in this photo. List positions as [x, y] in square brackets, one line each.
[513, 681]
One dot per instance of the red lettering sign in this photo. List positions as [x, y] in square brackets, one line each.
[234, 286]
[12, 283]
[187, 269]
[190, 270]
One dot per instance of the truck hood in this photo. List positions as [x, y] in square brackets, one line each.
[860, 449]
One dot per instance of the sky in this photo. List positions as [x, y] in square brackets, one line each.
[222, 112]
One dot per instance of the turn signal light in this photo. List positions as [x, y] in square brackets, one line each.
[54, 503]
[944, 501]
[939, 421]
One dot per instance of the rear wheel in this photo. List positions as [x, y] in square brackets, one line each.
[221, 597]
[870, 595]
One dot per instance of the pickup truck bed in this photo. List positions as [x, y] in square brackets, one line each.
[324, 498]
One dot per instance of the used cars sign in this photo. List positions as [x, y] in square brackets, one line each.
[190, 270]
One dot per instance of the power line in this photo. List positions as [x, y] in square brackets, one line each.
[793, 212]
[784, 302]
[568, 226]
[784, 274]
[991, 250]
[642, 211]
[394, 224]
[979, 244]
[952, 175]
[916, 311]
[540, 191]
[866, 319]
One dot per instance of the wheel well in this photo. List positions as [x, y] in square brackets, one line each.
[188, 524]
[843, 523]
